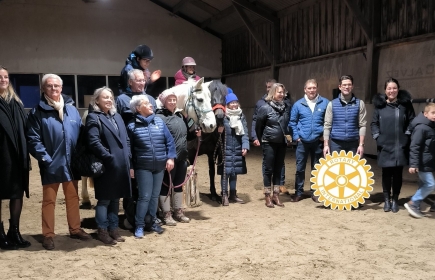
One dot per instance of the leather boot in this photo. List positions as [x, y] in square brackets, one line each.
[179, 213]
[103, 236]
[165, 203]
[275, 197]
[5, 244]
[387, 204]
[15, 237]
[268, 200]
[395, 204]
[234, 198]
[114, 233]
[225, 201]
[169, 221]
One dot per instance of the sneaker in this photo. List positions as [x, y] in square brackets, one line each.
[138, 233]
[154, 228]
[413, 210]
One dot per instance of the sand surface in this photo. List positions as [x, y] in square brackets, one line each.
[300, 241]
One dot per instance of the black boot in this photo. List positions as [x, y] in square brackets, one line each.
[5, 244]
[15, 237]
[395, 204]
[387, 204]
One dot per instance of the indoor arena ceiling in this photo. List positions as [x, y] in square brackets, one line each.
[221, 17]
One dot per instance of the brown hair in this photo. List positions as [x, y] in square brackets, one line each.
[310, 81]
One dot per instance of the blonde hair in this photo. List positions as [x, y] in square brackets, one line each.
[97, 94]
[429, 106]
[10, 93]
[273, 89]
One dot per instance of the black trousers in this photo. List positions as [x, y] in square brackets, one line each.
[392, 179]
[273, 160]
[178, 175]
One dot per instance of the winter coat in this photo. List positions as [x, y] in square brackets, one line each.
[51, 141]
[390, 128]
[14, 159]
[131, 63]
[123, 105]
[422, 149]
[305, 124]
[178, 129]
[151, 143]
[272, 125]
[112, 146]
[179, 77]
[234, 161]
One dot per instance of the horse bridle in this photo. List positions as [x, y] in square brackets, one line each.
[200, 113]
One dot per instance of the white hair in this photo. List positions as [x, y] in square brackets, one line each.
[51, 76]
[136, 101]
[132, 73]
[97, 94]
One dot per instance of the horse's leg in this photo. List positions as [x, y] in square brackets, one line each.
[211, 174]
[86, 202]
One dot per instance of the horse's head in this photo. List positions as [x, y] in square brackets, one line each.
[199, 106]
[218, 92]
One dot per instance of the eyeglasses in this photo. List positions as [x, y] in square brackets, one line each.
[140, 81]
[53, 86]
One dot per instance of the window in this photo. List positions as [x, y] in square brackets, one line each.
[157, 87]
[69, 86]
[27, 87]
[86, 86]
[113, 84]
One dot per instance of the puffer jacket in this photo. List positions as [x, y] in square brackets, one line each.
[179, 77]
[234, 161]
[390, 128]
[151, 143]
[272, 125]
[123, 105]
[305, 124]
[51, 141]
[422, 149]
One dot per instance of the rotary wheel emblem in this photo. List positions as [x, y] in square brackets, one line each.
[342, 180]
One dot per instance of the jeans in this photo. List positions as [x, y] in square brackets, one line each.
[426, 185]
[347, 146]
[178, 175]
[282, 183]
[303, 150]
[149, 184]
[232, 178]
[392, 177]
[106, 214]
[273, 159]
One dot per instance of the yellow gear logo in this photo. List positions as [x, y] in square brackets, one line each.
[342, 180]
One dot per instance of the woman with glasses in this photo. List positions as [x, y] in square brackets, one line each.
[14, 162]
[271, 129]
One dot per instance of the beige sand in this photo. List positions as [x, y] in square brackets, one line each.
[301, 241]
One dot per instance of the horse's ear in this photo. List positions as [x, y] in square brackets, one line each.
[199, 83]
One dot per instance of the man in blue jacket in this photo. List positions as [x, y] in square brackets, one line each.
[306, 122]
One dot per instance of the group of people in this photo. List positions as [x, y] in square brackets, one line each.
[144, 148]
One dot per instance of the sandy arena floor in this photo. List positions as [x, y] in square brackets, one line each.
[301, 241]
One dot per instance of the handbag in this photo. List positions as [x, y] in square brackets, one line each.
[83, 162]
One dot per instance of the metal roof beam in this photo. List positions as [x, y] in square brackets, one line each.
[365, 26]
[206, 7]
[254, 34]
[228, 11]
[262, 12]
[179, 5]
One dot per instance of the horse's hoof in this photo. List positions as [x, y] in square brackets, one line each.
[86, 205]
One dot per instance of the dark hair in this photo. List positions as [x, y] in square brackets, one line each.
[391, 80]
[271, 81]
[345, 77]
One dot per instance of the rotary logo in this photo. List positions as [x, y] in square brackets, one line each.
[342, 180]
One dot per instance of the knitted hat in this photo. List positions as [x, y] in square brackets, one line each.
[230, 96]
[164, 95]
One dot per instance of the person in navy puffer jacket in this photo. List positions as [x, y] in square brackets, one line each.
[236, 148]
[153, 151]
[306, 122]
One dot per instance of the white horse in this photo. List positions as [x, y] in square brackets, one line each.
[194, 99]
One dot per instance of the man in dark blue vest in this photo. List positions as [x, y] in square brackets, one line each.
[345, 121]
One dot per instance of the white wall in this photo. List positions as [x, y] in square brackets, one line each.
[72, 37]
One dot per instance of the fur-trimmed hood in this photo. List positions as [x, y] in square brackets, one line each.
[380, 99]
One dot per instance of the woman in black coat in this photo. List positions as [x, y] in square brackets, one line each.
[271, 129]
[107, 139]
[14, 161]
[390, 128]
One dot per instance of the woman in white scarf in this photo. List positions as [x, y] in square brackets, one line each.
[236, 147]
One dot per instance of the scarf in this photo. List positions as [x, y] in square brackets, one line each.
[235, 120]
[58, 106]
[278, 105]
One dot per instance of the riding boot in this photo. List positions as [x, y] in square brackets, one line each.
[267, 191]
[178, 209]
[275, 197]
[15, 237]
[5, 244]
[395, 203]
[165, 203]
[103, 236]
[234, 198]
[225, 201]
[387, 204]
